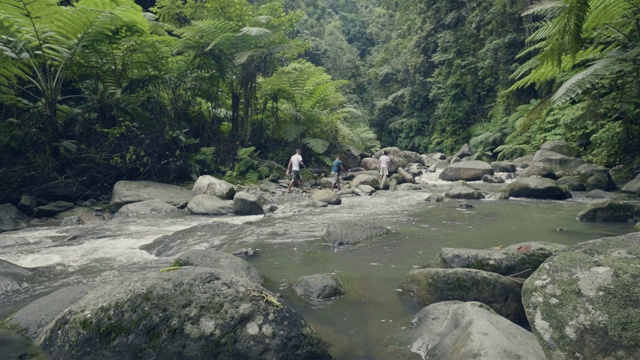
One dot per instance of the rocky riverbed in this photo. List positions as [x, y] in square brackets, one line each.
[98, 282]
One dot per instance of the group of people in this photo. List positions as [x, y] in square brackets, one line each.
[337, 166]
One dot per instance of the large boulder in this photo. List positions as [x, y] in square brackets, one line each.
[595, 177]
[560, 147]
[326, 196]
[10, 218]
[503, 166]
[610, 211]
[461, 192]
[370, 164]
[558, 162]
[411, 156]
[352, 233]
[633, 186]
[572, 183]
[319, 287]
[366, 179]
[584, 302]
[13, 277]
[406, 176]
[464, 151]
[215, 259]
[430, 286]
[145, 207]
[245, 203]
[536, 187]
[204, 204]
[466, 170]
[521, 259]
[28, 204]
[452, 330]
[126, 192]
[542, 169]
[187, 313]
[209, 185]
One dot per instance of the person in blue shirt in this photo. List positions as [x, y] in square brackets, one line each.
[337, 166]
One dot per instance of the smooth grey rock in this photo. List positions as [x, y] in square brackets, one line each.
[369, 164]
[364, 190]
[572, 183]
[13, 277]
[430, 286]
[542, 169]
[434, 198]
[558, 162]
[461, 192]
[245, 203]
[452, 330]
[633, 186]
[211, 235]
[209, 185]
[319, 287]
[464, 151]
[410, 156]
[219, 260]
[466, 170]
[10, 218]
[188, 313]
[492, 179]
[536, 187]
[503, 166]
[351, 233]
[204, 204]
[406, 176]
[583, 303]
[71, 221]
[595, 177]
[144, 208]
[326, 196]
[601, 194]
[560, 147]
[126, 192]
[521, 259]
[610, 211]
[366, 179]
[409, 187]
[33, 319]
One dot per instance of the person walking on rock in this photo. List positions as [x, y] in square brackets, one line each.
[336, 167]
[294, 165]
[384, 166]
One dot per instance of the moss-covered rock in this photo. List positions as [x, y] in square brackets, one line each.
[537, 187]
[457, 330]
[434, 285]
[521, 259]
[462, 192]
[185, 313]
[584, 303]
[319, 287]
[350, 234]
[610, 211]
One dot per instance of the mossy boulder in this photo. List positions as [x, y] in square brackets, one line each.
[204, 204]
[466, 170]
[461, 330]
[187, 313]
[536, 187]
[349, 233]
[326, 196]
[319, 287]
[521, 259]
[245, 203]
[430, 286]
[584, 303]
[633, 186]
[610, 211]
[462, 192]
[215, 259]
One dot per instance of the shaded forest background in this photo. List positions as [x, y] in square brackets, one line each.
[95, 91]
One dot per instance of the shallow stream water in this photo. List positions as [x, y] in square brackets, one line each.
[290, 246]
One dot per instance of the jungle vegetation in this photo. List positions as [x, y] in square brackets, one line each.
[94, 91]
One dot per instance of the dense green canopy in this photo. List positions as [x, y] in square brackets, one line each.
[93, 91]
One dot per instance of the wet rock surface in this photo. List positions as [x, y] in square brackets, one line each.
[319, 287]
[347, 233]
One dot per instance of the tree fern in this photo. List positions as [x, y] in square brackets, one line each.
[317, 145]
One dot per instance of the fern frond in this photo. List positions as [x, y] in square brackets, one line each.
[317, 145]
[245, 152]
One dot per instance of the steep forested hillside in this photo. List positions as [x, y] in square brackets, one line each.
[93, 91]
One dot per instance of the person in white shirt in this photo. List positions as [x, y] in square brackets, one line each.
[384, 166]
[294, 164]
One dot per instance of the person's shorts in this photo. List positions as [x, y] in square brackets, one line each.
[384, 171]
[295, 175]
[335, 178]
